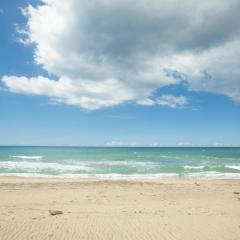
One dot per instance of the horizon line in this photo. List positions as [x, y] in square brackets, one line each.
[143, 146]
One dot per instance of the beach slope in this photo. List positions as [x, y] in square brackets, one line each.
[168, 209]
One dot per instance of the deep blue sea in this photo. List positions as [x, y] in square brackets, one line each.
[120, 163]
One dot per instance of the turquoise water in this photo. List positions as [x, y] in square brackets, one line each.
[120, 163]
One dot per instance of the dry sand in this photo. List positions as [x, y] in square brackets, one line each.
[176, 209]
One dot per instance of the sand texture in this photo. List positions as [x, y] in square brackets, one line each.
[176, 209]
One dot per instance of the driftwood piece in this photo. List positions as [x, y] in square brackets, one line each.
[55, 212]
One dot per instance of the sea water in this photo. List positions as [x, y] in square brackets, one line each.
[121, 163]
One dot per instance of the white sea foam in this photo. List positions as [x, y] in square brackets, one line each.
[110, 176]
[193, 167]
[115, 176]
[28, 175]
[28, 157]
[115, 163]
[32, 166]
[132, 177]
[206, 157]
[212, 175]
[237, 167]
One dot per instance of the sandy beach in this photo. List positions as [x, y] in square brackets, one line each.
[167, 209]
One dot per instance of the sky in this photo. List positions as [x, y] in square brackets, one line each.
[120, 73]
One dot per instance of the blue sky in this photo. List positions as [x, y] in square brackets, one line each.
[122, 91]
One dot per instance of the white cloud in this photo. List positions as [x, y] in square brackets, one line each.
[216, 70]
[172, 101]
[184, 144]
[121, 144]
[105, 53]
[87, 94]
[154, 144]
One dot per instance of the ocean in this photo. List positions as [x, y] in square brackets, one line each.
[121, 163]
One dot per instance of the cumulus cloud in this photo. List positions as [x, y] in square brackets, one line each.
[172, 101]
[107, 52]
[121, 144]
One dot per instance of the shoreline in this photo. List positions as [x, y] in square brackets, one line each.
[59, 181]
[96, 180]
[197, 176]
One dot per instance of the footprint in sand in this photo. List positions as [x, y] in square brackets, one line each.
[138, 211]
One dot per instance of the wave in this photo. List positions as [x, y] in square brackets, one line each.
[31, 166]
[212, 175]
[110, 176]
[115, 163]
[132, 177]
[237, 167]
[28, 157]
